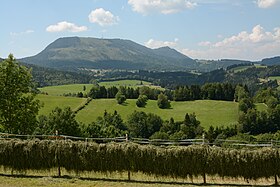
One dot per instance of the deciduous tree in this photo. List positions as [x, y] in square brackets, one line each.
[18, 106]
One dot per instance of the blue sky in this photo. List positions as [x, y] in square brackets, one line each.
[200, 29]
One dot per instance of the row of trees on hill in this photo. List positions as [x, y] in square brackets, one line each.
[212, 91]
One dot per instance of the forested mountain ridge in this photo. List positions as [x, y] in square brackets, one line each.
[76, 52]
[271, 61]
[43, 76]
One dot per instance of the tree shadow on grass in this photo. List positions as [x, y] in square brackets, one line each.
[124, 104]
[133, 181]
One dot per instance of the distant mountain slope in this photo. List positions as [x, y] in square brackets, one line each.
[77, 52]
[48, 77]
[271, 61]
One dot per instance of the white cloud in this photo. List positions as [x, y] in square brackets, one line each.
[103, 17]
[266, 3]
[153, 44]
[66, 26]
[253, 45]
[29, 31]
[204, 44]
[162, 6]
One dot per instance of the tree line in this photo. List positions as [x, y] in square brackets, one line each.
[211, 91]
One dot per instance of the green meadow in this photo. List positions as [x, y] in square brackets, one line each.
[128, 83]
[209, 112]
[65, 89]
[49, 102]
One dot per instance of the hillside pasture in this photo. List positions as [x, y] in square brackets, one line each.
[243, 68]
[129, 83]
[240, 68]
[50, 102]
[65, 89]
[208, 112]
[215, 113]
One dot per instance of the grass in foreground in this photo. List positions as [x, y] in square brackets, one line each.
[208, 112]
[119, 180]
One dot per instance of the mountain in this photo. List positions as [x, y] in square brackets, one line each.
[76, 52]
[170, 53]
[271, 61]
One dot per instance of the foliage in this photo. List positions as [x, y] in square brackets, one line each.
[268, 96]
[18, 106]
[188, 129]
[255, 122]
[245, 104]
[109, 126]
[59, 120]
[143, 125]
[163, 101]
[142, 101]
[120, 98]
[218, 91]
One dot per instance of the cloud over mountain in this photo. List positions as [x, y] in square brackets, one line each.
[66, 26]
[103, 17]
[160, 6]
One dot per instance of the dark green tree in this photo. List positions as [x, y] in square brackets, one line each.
[142, 101]
[245, 104]
[18, 106]
[162, 101]
[143, 125]
[120, 97]
[63, 121]
[240, 93]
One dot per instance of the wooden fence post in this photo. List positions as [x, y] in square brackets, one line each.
[128, 172]
[57, 156]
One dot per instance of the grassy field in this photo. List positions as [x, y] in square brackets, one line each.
[243, 68]
[50, 102]
[129, 83]
[64, 89]
[214, 113]
[240, 68]
[208, 112]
